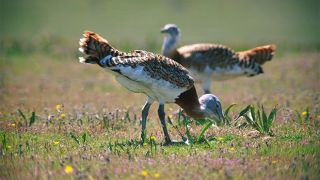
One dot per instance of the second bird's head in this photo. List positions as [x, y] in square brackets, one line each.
[171, 30]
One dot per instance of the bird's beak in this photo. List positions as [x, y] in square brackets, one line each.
[221, 116]
[163, 30]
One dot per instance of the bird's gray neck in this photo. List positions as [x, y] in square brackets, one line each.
[189, 102]
[169, 44]
[196, 112]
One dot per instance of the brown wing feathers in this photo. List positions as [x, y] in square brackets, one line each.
[96, 48]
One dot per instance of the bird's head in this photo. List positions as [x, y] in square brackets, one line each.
[171, 30]
[211, 107]
[171, 34]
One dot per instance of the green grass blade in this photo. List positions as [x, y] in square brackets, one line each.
[75, 138]
[243, 112]
[189, 136]
[256, 120]
[24, 117]
[265, 120]
[105, 122]
[260, 121]
[226, 114]
[201, 121]
[4, 142]
[204, 129]
[272, 116]
[84, 137]
[32, 118]
[127, 116]
[144, 136]
[253, 113]
[169, 121]
[249, 120]
[185, 121]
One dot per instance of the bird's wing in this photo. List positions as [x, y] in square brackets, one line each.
[212, 55]
[137, 64]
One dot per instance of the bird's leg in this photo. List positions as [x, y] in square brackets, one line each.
[145, 111]
[161, 114]
[206, 86]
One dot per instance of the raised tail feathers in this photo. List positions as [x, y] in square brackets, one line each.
[94, 48]
[259, 54]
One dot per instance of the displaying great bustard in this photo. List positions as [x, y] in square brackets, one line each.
[159, 77]
[212, 61]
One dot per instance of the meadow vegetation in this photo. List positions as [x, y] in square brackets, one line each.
[62, 119]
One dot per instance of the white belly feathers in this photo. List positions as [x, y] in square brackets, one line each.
[139, 81]
[218, 73]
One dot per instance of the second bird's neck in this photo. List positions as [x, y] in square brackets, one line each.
[169, 45]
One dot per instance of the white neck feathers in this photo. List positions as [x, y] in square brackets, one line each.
[169, 44]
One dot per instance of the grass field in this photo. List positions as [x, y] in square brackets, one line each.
[60, 119]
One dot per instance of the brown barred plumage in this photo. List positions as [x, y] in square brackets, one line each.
[157, 66]
[198, 56]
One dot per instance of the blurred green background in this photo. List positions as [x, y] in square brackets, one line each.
[288, 23]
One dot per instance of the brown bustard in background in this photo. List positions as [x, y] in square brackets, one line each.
[157, 76]
[212, 61]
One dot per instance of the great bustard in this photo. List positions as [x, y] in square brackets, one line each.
[211, 61]
[159, 77]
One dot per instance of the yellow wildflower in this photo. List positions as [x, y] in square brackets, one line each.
[232, 149]
[304, 113]
[219, 138]
[274, 161]
[170, 116]
[153, 138]
[55, 142]
[68, 169]
[58, 106]
[145, 144]
[13, 124]
[9, 147]
[62, 115]
[156, 175]
[144, 173]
